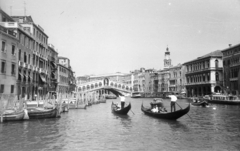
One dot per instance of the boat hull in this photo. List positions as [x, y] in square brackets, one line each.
[123, 111]
[202, 103]
[15, 116]
[168, 115]
[37, 113]
[224, 102]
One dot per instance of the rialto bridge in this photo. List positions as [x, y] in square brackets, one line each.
[95, 90]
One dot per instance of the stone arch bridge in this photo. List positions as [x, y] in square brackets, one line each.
[99, 88]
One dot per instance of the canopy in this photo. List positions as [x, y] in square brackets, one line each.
[42, 78]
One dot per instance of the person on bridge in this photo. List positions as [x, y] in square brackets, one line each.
[173, 102]
[122, 99]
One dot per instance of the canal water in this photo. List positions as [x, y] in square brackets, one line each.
[96, 128]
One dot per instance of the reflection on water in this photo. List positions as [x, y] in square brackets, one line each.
[97, 128]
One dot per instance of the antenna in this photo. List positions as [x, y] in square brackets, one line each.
[11, 10]
[25, 8]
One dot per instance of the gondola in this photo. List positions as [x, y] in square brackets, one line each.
[202, 103]
[123, 111]
[166, 115]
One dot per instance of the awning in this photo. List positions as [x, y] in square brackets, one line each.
[20, 74]
[54, 75]
[25, 76]
[42, 78]
[53, 64]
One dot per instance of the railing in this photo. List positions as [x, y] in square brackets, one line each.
[205, 69]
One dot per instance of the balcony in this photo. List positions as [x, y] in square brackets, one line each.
[205, 69]
[233, 79]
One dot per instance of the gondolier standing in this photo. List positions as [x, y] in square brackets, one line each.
[173, 102]
[122, 99]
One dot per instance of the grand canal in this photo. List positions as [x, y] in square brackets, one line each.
[96, 128]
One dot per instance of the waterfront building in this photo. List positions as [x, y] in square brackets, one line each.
[163, 78]
[176, 79]
[8, 59]
[36, 59]
[52, 70]
[66, 77]
[231, 69]
[204, 75]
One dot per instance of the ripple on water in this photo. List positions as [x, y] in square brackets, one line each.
[96, 128]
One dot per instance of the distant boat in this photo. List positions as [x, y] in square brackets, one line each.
[12, 115]
[103, 100]
[111, 97]
[74, 104]
[222, 99]
[136, 95]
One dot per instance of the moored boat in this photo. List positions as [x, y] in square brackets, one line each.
[166, 115]
[12, 115]
[223, 99]
[118, 110]
[136, 95]
[102, 100]
[111, 97]
[74, 104]
[39, 113]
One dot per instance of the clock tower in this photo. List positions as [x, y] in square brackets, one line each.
[167, 60]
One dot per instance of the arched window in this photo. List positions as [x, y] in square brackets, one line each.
[216, 63]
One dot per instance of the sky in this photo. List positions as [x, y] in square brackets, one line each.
[109, 36]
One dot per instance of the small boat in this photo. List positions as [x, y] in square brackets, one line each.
[124, 111]
[74, 104]
[136, 95]
[222, 99]
[103, 100]
[111, 97]
[40, 113]
[81, 106]
[166, 115]
[12, 115]
[201, 103]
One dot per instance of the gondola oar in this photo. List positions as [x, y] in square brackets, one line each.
[181, 108]
[133, 112]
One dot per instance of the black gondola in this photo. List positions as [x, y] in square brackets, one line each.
[123, 111]
[166, 115]
[202, 103]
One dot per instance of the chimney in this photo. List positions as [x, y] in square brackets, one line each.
[229, 45]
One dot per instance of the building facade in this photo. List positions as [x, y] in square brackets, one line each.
[8, 61]
[204, 75]
[52, 70]
[66, 77]
[231, 69]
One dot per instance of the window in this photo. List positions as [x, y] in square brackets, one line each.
[217, 76]
[29, 58]
[13, 49]
[3, 46]
[3, 67]
[216, 63]
[19, 54]
[2, 88]
[12, 88]
[13, 69]
[25, 57]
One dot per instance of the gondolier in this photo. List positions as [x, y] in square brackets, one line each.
[173, 102]
[122, 99]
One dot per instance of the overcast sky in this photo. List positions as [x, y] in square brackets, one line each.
[108, 36]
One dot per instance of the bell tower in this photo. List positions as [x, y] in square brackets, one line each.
[167, 60]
